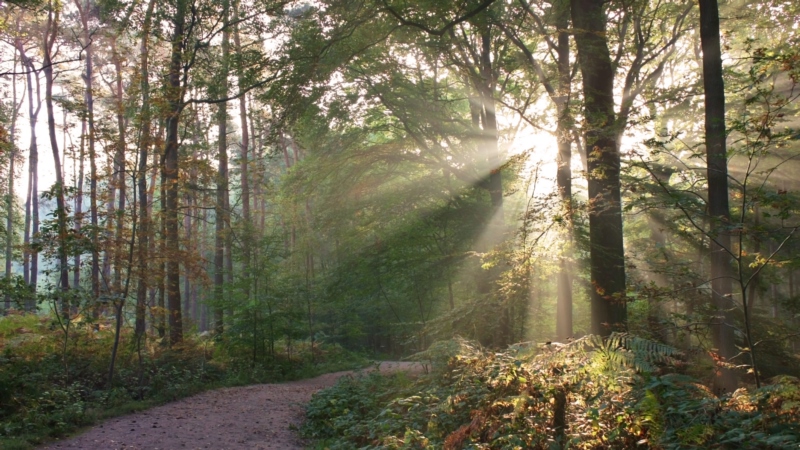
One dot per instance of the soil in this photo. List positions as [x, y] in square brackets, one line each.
[264, 416]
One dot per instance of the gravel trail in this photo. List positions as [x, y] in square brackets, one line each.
[261, 416]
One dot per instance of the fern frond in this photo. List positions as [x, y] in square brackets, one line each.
[636, 353]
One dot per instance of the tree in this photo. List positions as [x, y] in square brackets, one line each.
[88, 79]
[145, 141]
[174, 92]
[558, 15]
[11, 150]
[30, 265]
[221, 208]
[50, 36]
[718, 207]
[608, 297]
[244, 148]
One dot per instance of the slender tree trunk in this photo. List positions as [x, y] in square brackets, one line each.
[170, 168]
[11, 172]
[725, 380]
[288, 236]
[111, 212]
[154, 266]
[120, 170]
[221, 212]
[609, 308]
[144, 202]
[61, 214]
[245, 148]
[30, 265]
[34, 202]
[76, 276]
[259, 202]
[489, 117]
[26, 237]
[564, 173]
[188, 250]
[88, 79]
[93, 211]
[162, 252]
[489, 148]
[203, 316]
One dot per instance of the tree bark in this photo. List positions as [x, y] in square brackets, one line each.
[119, 168]
[162, 252]
[564, 172]
[244, 163]
[725, 380]
[88, 79]
[188, 250]
[608, 305]
[144, 146]
[76, 275]
[491, 152]
[10, 193]
[489, 116]
[30, 264]
[174, 94]
[51, 32]
[221, 211]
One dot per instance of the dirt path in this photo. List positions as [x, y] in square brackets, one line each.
[251, 417]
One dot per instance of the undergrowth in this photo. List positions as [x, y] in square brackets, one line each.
[49, 390]
[621, 392]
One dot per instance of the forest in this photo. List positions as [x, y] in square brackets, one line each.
[578, 215]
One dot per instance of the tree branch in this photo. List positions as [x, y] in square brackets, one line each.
[213, 101]
[441, 31]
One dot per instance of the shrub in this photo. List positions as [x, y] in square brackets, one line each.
[618, 392]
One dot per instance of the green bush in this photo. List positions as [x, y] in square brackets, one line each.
[619, 392]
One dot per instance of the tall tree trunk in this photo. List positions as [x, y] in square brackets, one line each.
[490, 151]
[188, 250]
[245, 148]
[94, 218]
[26, 237]
[11, 171]
[204, 296]
[144, 201]
[170, 168]
[76, 275]
[221, 211]
[51, 33]
[609, 308]
[288, 236]
[162, 252]
[154, 266]
[718, 207]
[258, 177]
[30, 265]
[489, 116]
[119, 181]
[564, 172]
[111, 212]
[88, 79]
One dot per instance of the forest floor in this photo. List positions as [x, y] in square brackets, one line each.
[264, 416]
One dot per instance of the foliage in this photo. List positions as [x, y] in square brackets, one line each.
[621, 392]
[41, 398]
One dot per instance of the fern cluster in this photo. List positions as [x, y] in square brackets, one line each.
[614, 392]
